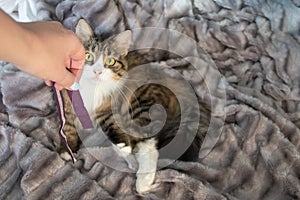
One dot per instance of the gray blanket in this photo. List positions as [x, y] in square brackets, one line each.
[246, 55]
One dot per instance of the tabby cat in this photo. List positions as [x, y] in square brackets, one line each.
[105, 87]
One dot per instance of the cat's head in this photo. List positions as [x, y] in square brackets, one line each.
[105, 62]
[104, 56]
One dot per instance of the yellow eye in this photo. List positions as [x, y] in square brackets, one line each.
[89, 57]
[110, 61]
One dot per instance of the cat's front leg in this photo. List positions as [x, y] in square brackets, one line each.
[69, 128]
[147, 157]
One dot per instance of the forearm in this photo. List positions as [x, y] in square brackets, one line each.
[15, 41]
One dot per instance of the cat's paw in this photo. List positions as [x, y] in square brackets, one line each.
[125, 149]
[147, 157]
[66, 156]
[144, 182]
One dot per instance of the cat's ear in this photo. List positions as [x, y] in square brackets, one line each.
[84, 31]
[123, 41]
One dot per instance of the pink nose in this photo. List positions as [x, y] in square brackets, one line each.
[97, 72]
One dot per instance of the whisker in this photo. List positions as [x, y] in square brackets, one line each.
[123, 95]
[132, 92]
[126, 99]
[130, 79]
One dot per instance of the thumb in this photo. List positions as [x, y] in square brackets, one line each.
[77, 62]
[77, 68]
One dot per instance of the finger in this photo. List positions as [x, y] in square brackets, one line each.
[77, 64]
[49, 83]
[78, 55]
[74, 87]
[67, 80]
[77, 61]
[77, 73]
[73, 67]
[58, 86]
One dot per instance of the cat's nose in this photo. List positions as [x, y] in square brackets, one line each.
[97, 72]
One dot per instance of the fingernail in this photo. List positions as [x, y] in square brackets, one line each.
[75, 86]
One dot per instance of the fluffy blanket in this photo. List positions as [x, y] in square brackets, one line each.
[247, 55]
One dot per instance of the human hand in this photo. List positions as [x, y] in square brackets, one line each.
[56, 54]
[43, 49]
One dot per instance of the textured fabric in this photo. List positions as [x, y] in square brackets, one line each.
[27, 10]
[252, 59]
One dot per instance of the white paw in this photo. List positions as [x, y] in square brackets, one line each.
[125, 150]
[147, 157]
[144, 182]
[120, 145]
[66, 156]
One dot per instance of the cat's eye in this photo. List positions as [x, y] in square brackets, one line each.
[89, 57]
[110, 61]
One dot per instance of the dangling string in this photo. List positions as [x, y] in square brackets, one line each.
[80, 111]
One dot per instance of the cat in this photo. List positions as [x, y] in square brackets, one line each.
[105, 86]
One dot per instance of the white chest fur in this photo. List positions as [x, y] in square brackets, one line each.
[95, 88]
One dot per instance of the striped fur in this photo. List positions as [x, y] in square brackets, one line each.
[138, 104]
